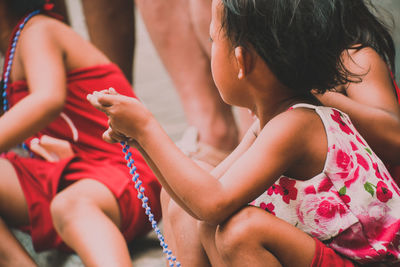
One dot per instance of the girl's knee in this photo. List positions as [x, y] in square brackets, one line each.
[67, 208]
[62, 207]
[84, 196]
[237, 231]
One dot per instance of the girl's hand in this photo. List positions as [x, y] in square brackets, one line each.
[128, 118]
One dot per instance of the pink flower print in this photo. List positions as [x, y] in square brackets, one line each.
[310, 190]
[289, 191]
[274, 189]
[342, 194]
[354, 178]
[395, 188]
[322, 214]
[377, 171]
[325, 185]
[359, 140]
[382, 192]
[353, 146]
[362, 161]
[268, 207]
[344, 162]
[346, 199]
[386, 176]
[343, 126]
[328, 209]
[375, 218]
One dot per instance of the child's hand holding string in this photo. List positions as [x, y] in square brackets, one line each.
[127, 117]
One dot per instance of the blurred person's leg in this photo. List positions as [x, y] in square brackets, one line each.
[201, 26]
[111, 28]
[175, 31]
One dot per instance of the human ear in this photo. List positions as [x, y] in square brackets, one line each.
[243, 59]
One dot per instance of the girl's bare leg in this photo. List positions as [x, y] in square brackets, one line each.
[207, 239]
[14, 211]
[254, 237]
[166, 222]
[181, 234]
[86, 216]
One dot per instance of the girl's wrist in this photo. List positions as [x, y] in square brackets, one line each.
[148, 132]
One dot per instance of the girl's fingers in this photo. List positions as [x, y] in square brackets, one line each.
[109, 91]
[109, 137]
[104, 99]
[112, 136]
[94, 100]
[101, 100]
[112, 91]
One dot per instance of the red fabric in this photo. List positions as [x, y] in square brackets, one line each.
[327, 257]
[94, 158]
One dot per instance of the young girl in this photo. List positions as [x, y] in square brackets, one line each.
[74, 190]
[310, 174]
[373, 102]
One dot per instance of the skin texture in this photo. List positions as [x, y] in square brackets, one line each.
[47, 49]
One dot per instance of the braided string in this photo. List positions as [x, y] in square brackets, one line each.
[7, 70]
[141, 195]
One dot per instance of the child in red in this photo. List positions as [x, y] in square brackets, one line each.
[73, 191]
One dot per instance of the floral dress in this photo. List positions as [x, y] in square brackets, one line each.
[353, 206]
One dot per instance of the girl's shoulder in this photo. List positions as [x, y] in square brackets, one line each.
[297, 127]
[297, 141]
[361, 61]
[44, 34]
[43, 26]
[375, 83]
[42, 31]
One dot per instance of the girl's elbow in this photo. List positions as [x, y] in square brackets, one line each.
[54, 105]
[214, 215]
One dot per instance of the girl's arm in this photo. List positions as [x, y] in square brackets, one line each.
[112, 137]
[371, 104]
[196, 190]
[247, 141]
[41, 61]
[255, 170]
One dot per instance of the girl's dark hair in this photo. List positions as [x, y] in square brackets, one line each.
[22, 7]
[302, 40]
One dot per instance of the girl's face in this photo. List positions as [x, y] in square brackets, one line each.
[223, 62]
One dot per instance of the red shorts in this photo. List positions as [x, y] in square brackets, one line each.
[42, 180]
[327, 257]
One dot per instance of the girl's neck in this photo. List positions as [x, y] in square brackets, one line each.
[265, 112]
[268, 96]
